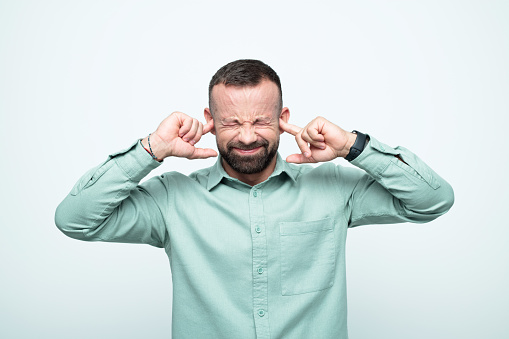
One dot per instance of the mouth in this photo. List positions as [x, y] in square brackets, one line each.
[247, 151]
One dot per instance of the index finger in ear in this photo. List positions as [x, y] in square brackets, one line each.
[208, 126]
[289, 128]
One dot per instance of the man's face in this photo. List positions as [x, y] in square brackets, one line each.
[246, 123]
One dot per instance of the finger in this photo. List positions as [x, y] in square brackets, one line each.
[314, 134]
[313, 141]
[186, 126]
[192, 132]
[203, 153]
[303, 145]
[198, 135]
[299, 159]
[208, 126]
[289, 128]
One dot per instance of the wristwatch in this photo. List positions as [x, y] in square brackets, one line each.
[358, 146]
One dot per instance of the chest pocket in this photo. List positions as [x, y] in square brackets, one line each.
[308, 257]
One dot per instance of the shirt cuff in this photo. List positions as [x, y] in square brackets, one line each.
[135, 161]
[377, 156]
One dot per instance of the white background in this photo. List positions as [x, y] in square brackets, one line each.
[82, 79]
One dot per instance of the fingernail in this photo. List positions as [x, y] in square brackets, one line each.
[306, 154]
[185, 139]
[192, 142]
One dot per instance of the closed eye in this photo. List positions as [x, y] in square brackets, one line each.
[230, 122]
[263, 122]
[259, 122]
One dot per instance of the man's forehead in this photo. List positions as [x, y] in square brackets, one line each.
[266, 89]
[256, 100]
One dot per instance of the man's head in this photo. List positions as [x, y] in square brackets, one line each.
[244, 73]
[246, 103]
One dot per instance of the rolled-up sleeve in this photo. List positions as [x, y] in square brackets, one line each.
[392, 190]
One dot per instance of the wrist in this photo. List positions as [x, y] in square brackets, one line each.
[153, 145]
[351, 138]
[358, 145]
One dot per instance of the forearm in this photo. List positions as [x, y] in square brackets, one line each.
[100, 191]
[419, 193]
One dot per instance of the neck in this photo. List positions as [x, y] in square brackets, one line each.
[251, 179]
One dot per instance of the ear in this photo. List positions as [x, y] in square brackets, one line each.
[208, 117]
[285, 116]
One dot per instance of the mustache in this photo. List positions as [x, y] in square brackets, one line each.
[244, 147]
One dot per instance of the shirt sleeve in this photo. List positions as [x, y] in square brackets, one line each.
[392, 191]
[108, 204]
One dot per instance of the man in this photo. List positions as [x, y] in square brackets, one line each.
[256, 245]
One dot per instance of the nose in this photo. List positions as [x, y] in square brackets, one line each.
[247, 134]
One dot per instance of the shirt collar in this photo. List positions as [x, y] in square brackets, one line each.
[217, 172]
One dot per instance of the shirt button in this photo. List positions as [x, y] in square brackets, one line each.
[260, 270]
[255, 194]
[258, 230]
[261, 313]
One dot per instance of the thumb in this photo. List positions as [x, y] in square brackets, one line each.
[299, 159]
[203, 153]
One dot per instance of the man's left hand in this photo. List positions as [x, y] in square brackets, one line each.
[319, 141]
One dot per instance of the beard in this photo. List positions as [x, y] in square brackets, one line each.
[249, 164]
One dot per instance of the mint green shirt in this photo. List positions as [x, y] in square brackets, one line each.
[266, 261]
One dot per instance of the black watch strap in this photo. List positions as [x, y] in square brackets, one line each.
[358, 146]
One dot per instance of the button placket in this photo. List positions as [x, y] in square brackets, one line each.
[260, 280]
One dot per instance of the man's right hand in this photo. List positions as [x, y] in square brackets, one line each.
[176, 137]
